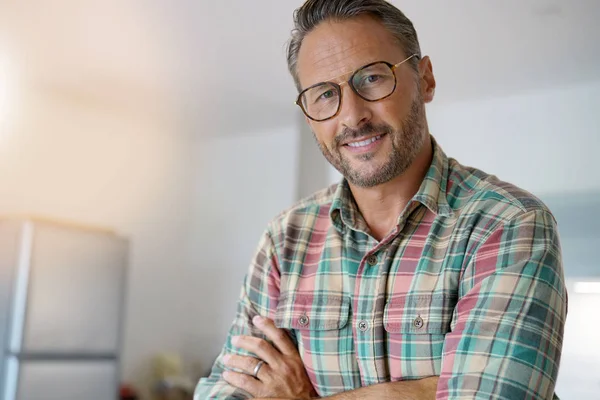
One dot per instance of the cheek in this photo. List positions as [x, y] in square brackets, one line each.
[324, 132]
[390, 113]
[394, 109]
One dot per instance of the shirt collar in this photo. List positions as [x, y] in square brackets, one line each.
[431, 193]
[344, 211]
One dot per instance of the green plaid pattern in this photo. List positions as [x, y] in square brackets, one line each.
[469, 286]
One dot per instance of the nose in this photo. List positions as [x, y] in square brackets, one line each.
[354, 111]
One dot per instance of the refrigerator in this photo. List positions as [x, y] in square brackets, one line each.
[62, 289]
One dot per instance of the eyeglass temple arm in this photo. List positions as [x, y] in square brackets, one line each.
[406, 59]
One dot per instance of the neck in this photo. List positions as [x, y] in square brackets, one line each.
[381, 205]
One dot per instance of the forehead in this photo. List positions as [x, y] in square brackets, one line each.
[336, 48]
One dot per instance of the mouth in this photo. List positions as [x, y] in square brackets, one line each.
[366, 144]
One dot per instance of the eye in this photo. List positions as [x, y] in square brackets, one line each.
[326, 95]
[371, 79]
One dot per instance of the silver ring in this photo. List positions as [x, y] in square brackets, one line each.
[257, 368]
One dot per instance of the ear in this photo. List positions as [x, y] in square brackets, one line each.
[427, 79]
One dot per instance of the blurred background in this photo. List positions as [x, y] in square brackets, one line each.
[172, 123]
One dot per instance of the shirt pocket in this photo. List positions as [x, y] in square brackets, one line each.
[316, 312]
[416, 326]
[419, 314]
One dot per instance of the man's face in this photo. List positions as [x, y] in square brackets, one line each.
[369, 143]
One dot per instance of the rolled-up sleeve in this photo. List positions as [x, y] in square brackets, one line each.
[507, 330]
[259, 296]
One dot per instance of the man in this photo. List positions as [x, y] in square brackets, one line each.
[415, 277]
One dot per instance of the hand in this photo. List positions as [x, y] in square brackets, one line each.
[281, 376]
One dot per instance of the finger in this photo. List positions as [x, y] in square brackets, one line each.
[279, 337]
[244, 382]
[263, 349]
[246, 364]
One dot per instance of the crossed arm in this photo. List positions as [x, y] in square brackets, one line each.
[505, 342]
[284, 375]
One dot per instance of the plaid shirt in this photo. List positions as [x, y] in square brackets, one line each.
[469, 286]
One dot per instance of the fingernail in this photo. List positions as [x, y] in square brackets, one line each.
[225, 375]
[226, 358]
[234, 340]
[257, 320]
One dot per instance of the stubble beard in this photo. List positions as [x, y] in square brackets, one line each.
[406, 145]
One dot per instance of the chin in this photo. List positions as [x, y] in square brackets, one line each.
[362, 178]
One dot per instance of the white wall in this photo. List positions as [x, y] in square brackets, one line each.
[241, 183]
[126, 171]
[543, 141]
[313, 167]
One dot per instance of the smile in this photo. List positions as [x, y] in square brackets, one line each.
[364, 143]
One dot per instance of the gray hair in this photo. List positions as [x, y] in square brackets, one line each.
[314, 12]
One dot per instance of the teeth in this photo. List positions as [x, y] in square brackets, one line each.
[364, 142]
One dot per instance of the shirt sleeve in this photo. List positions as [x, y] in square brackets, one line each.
[259, 296]
[507, 329]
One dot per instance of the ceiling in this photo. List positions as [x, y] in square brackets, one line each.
[220, 65]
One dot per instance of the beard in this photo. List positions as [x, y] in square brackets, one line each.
[406, 145]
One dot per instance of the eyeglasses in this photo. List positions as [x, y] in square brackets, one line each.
[373, 82]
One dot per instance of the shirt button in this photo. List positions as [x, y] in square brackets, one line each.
[372, 260]
[303, 320]
[418, 322]
[363, 325]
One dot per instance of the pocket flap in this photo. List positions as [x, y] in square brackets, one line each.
[312, 311]
[429, 314]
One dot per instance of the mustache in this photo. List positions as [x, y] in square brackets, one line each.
[367, 129]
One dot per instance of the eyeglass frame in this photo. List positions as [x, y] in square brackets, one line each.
[338, 87]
